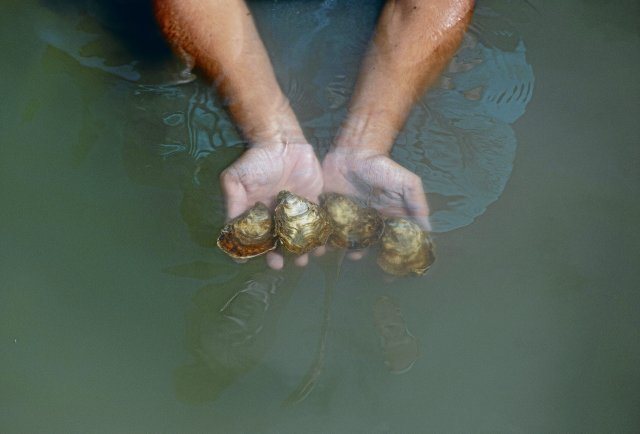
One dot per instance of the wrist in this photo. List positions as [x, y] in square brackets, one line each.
[342, 161]
[274, 129]
[366, 134]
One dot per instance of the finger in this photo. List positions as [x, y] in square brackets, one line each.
[356, 255]
[234, 193]
[319, 251]
[416, 203]
[275, 261]
[302, 260]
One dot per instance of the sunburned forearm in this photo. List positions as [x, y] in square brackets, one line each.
[222, 39]
[413, 42]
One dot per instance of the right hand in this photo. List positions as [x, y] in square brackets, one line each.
[262, 172]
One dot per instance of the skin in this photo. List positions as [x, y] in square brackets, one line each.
[413, 42]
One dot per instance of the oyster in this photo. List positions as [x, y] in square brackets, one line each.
[250, 234]
[300, 224]
[355, 227]
[406, 248]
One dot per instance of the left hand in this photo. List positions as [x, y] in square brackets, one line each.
[378, 181]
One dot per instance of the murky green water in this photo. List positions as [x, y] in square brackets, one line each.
[117, 315]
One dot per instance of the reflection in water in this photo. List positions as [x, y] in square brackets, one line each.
[181, 137]
[460, 140]
[399, 346]
[229, 329]
[232, 325]
[185, 121]
[85, 39]
[310, 380]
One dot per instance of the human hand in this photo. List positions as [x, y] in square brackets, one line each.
[378, 181]
[263, 171]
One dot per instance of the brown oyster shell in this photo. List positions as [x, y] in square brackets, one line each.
[355, 226]
[300, 224]
[406, 248]
[250, 234]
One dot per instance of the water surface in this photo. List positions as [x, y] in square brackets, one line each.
[113, 300]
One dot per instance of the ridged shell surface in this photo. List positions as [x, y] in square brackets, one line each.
[300, 224]
[406, 248]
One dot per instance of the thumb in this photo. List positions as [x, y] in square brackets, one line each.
[235, 194]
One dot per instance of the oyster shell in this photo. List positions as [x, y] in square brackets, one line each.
[406, 248]
[250, 234]
[355, 226]
[300, 224]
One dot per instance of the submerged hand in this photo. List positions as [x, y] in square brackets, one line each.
[262, 171]
[377, 180]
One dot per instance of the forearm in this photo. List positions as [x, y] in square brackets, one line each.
[222, 38]
[413, 42]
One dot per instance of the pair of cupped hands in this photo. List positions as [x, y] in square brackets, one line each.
[371, 176]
